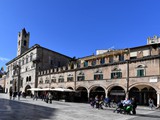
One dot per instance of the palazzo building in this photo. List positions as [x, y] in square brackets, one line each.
[130, 72]
[22, 70]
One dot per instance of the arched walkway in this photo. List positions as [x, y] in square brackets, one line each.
[70, 88]
[28, 92]
[97, 90]
[81, 95]
[116, 93]
[142, 93]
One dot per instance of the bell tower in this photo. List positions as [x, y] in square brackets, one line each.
[23, 42]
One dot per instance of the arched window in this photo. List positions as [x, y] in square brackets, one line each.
[22, 61]
[116, 73]
[31, 56]
[25, 43]
[98, 75]
[141, 70]
[29, 78]
[27, 59]
[80, 76]
[19, 62]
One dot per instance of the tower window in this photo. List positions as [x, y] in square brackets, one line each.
[25, 42]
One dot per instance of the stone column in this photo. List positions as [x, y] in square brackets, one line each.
[158, 99]
[88, 94]
[106, 92]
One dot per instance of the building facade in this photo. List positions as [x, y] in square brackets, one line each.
[22, 70]
[131, 72]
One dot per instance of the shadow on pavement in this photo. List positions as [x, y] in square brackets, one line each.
[148, 116]
[14, 110]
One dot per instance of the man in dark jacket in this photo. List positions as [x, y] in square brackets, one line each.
[134, 104]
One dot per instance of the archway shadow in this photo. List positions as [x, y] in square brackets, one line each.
[14, 110]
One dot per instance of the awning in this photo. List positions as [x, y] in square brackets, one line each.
[35, 89]
[62, 90]
[51, 89]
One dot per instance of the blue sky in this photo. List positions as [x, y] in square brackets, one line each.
[77, 27]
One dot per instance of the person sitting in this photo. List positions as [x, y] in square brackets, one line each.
[107, 102]
[126, 103]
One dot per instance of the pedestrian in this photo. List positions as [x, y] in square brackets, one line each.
[35, 96]
[50, 97]
[14, 95]
[97, 101]
[151, 103]
[10, 94]
[92, 101]
[101, 102]
[134, 104]
[19, 95]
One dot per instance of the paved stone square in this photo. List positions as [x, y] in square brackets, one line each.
[29, 109]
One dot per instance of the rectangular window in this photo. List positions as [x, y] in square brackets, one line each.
[86, 64]
[21, 83]
[140, 73]
[53, 80]
[116, 75]
[102, 61]
[46, 81]
[98, 77]
[110, 59]
[80, 78]
[69, 79]
[61, 80]
[121, 57]
[93, 62]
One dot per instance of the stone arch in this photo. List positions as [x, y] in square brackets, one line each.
[116, 93]
[96, 86]
[144, 83]
[146, 91]
[79, 86]
[81, 94]
[97, 90]
[70, 88]
[28, 92]
[113, 85]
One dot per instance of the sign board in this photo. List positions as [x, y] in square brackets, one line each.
[153, 79]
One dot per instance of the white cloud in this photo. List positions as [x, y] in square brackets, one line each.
[4, 59]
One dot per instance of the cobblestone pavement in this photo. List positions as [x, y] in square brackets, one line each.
[28, 109]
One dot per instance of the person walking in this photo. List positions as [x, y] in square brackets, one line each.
[35, 96]
[19, 95]
[151, 103]
[14, 95]
[97, 101]
[134, 104]
[10, 94]
[50, 97]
